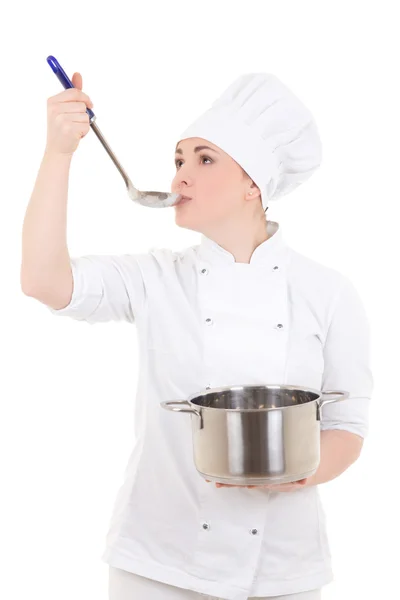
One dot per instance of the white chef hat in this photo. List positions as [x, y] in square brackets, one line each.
[266, 129]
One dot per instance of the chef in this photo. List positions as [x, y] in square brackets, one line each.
[240, 307]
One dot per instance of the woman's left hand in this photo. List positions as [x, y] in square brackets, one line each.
[279, 487]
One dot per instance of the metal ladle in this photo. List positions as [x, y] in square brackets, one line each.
[151, 199]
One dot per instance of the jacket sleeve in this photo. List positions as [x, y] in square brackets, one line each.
[105, 288]
[347, 363]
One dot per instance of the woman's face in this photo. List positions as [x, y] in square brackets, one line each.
[216, 183]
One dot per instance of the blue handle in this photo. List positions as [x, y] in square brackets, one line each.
[64, 79]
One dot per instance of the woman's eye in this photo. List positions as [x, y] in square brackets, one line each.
[203, 156]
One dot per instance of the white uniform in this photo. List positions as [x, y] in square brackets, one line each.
[204, 320]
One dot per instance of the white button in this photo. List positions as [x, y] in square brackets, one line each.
[208, 386]
[204, 272]
[209, 321]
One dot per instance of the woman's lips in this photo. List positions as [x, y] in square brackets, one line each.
[183, 200]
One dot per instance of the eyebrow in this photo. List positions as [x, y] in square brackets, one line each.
[196, 149]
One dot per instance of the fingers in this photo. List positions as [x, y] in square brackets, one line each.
[218, 485]
[70, 95]
[274, 487]
[77, 80]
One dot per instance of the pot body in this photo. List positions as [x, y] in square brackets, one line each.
[255, 435]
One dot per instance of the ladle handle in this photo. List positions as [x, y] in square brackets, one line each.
[65, 80]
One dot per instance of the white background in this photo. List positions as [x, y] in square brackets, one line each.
[68, 388]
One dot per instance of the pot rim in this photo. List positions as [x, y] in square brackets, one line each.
[262, 386]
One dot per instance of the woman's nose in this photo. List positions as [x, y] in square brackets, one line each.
[182, 179]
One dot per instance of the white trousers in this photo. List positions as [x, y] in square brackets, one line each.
[124, 585]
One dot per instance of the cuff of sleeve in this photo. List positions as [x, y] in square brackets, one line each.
[86, 294]
[350, 415]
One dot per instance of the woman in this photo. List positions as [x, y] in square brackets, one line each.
[241, 307]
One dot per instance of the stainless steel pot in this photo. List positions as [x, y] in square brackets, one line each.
[254, 435]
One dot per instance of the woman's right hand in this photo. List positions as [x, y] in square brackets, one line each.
[67, 119]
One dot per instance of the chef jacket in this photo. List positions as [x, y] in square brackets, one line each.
[204, 320]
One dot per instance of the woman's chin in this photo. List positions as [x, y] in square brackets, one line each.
[181, 211]
[185, 221]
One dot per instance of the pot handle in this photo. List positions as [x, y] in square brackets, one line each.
[330, 396]
[327, 399]
[175, 405]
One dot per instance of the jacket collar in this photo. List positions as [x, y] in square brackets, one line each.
[266, 253]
